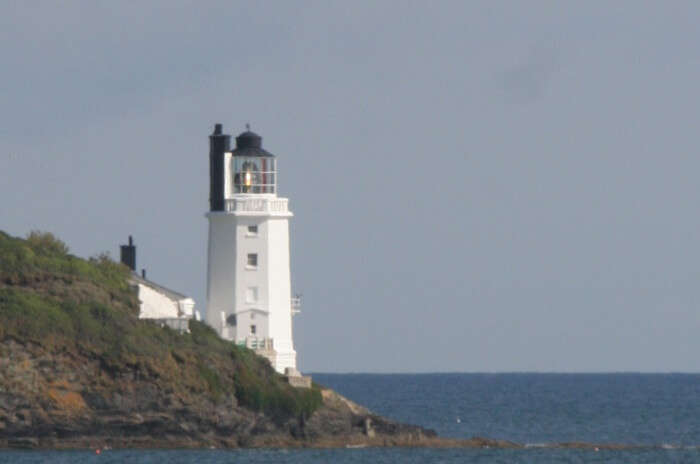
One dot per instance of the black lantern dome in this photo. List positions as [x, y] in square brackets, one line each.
[250, 144]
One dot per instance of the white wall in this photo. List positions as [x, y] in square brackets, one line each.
[155, 305]
[279, 289]
[187, 308]
[248, 317]
[229, 276]
[250, 277]
[221, 270]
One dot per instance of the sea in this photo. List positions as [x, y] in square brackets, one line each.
[659, 412]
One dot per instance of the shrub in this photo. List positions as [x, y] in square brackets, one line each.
[46, 243]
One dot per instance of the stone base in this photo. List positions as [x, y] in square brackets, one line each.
[270, 355]
[295, 378]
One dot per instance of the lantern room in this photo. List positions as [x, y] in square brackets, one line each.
[253, 169]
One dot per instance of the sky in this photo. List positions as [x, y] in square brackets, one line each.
[477, 186]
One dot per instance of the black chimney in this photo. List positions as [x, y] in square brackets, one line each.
[128, 254]
[219, 143]
[143, 274]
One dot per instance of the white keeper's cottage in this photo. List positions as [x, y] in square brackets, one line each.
[156, 302]
[249, 295]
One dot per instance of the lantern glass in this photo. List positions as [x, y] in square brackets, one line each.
[254, 174]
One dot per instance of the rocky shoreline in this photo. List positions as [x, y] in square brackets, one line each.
[64, 399]
[339, 423]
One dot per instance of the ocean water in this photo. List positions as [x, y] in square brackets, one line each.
[647, 409]
[660, 411]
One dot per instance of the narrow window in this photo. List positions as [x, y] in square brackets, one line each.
[253, 329]
[252, 260]
[231, 320]
[253, 230]
[251, 295]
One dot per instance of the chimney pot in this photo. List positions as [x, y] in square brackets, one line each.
[128, 254]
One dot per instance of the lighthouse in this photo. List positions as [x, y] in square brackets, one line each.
[249, 298]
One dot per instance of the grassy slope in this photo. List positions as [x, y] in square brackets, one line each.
[59, 302]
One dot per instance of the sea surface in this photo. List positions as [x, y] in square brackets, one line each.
[659, 411]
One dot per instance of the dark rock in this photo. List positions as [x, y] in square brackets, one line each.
[23, 442]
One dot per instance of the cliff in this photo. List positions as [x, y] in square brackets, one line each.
[79, 369]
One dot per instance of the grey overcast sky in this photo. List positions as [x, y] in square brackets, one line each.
[477, 186]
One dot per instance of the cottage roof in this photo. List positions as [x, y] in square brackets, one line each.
[172, 294]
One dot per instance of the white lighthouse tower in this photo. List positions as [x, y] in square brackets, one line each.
[249, 297]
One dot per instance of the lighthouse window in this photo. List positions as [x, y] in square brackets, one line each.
[253, 329]
[231, 320]
[253, 230]
[253, 174]
[252, 260]
[251, 295]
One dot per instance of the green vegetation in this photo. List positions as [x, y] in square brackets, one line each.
[63, 303]
[257, 389]
[42, 256]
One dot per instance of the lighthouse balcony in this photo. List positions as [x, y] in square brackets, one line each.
[296, 304]
[257, 343]
[257, 205]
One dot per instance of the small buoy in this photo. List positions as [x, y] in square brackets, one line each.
[98, 451]
[459, 420]
[596, 448]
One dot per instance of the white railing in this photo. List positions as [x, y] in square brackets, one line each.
[257, 205]
[296, 304]
[258, 343]
[180, 324]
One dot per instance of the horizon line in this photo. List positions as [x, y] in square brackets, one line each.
[311, 372]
